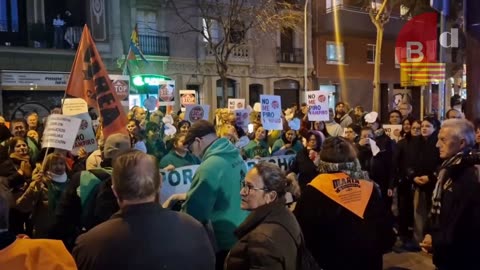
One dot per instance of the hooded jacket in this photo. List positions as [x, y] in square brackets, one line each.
[214, 195]
[297, 146]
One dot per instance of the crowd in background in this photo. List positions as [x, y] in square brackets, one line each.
[53, 194]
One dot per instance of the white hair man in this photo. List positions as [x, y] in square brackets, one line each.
[454, 220]
[143, 235]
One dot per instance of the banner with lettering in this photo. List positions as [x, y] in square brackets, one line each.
[179, 180]
[197, 112]
[317, 105]
[271, 111]
[89, 80]
[236, 104]
[60, 131]
[393, 131]
[86, 136]
[187, 97]
[166, 94]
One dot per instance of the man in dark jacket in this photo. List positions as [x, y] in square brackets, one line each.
[143, 235]
[454, 219]
[88, 199]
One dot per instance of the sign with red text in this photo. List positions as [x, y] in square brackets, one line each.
[317, 102]
[187, 97]
[236, 104]
[271, 112]
[86, 136]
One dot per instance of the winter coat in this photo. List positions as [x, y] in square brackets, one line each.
[215, 191]
[147, 237]
[294, 149]
[269, 238]
[403, 163]
[254, 149]
[455, 233]
[426, 161]
[337, 238]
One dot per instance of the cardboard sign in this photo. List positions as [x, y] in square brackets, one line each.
[196, 112]
[60, 131]
[121, 83]
[176, 181]
[242, 118]
[85, 137]
[271, 112]
[187, 97]
[317, 106]
[74, 106]
[393, 131]
[179, 180]
[236, 104]
[166, 94]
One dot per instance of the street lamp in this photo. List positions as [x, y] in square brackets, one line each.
[305, 48]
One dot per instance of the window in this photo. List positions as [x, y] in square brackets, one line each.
[211, 30]
[9, 21]
[335, 53]
[371, 53]
[147, 22]
[330, 4]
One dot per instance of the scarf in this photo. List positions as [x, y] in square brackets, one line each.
[19, 157]
[353, 169]
[443, 182]
[59, 178]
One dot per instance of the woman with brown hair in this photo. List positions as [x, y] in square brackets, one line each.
[43, 194]
[341, 213]
[270, 236]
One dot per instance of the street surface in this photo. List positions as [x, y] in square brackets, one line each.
[407, 260]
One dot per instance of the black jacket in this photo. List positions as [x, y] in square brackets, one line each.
[145, 236]
[456, 232]
[426, 160]
[269, 238]
[305, 167]
[404, 157]
[340, 240]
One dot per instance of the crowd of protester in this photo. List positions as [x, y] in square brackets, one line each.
[419, 191]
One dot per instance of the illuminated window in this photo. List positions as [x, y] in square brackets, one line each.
[335, 53]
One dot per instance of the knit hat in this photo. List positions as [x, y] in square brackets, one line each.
[115, 144]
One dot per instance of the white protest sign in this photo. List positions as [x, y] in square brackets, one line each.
[197, 112]
[74, 106]
[236, 104]
[176, 181]
[85, 137]
[242, 118]
[179, 180]
[271, 112]
[317, 106]
[393, 131]
[60, 131]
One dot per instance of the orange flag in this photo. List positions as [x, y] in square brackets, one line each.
[89, 80]
[353, 194]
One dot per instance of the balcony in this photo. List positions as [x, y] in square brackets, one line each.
[240, 53]
[154, 45]
[294, 56]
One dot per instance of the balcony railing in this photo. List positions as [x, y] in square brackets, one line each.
[294, 56]
[240, 53]
[154, 45]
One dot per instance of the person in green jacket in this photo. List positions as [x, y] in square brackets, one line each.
[214, 196]
[258, 147]
[288, 144]
[178, 156]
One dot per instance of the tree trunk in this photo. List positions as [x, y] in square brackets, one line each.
[473, 79]
[376, 74]
[224, 91]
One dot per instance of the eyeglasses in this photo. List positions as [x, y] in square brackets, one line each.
[247, 187]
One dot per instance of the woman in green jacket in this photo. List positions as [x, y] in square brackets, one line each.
[178, 156]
